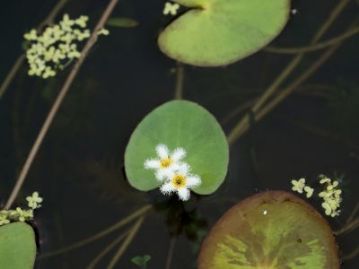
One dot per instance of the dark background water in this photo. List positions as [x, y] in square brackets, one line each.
[79, 167]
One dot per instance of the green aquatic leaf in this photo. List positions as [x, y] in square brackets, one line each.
[179, 124]
[270, 230]
[17, 246]
[141, 261]
[122, 22]
[220, 32]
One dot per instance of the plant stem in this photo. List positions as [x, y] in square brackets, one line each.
[351, 255]
[138, 213]
[59, 99]
[318, 46]
[125, 244]
[106, 250]
[353, 214]
[170, 252]
[238, 129]
[20, 60]
[289, 89]
[179, 81]
[348, 227]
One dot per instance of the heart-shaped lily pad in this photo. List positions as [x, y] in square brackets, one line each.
[179, 124]
[220, 32]
[271, 230]
[17, 246]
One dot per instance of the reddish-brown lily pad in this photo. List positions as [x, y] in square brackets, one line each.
[270, 230]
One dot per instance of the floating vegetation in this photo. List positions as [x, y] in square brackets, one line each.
[17, 246]
[141, 261]
[272, 229]
[220, 32]
[49, 51]
[190, 130]
[331, 195]
[19, 214]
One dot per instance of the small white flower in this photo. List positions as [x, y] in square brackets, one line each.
[309, 191]
[34, 201]
[170, 8]
[166, 162]
[181, 181]
[298, 185]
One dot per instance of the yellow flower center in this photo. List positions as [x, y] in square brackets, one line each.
[179, 181]
[166, 162]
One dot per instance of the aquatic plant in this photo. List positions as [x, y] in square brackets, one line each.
[49, 51]
[331, 195]
[141, 261]
[20, 214]
[181, 125]
[220, 32]
[272, 229]
[17, 246]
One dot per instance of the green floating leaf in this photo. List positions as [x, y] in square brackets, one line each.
[17, 246]
[179, 124]
[270, 230]
[220, 32]
[141, 260]
[122, 22]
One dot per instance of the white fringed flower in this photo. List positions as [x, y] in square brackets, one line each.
[181, 181]
[166, 162]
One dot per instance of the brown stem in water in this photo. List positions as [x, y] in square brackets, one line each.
[237, 131]
[106, 250]
[138, 213]
[131, 235]
[351, 255]
[179, 81]
[59, 99]
[20, 60]
[318, 46]
[170, 253]
[348, 227]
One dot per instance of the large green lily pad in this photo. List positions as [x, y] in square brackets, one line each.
[179, 124]
[17, 246]
[220, 32]
[271, 230]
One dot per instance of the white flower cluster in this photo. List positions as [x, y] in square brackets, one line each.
[300, 186]
[173, 172]
[19, 214]
[57, 45]
[331, 195]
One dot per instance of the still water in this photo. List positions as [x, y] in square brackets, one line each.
[79, 169]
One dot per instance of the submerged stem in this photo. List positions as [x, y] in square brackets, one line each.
[318, 46]
[237, 131]
[170, 253]
[106, 250]
[59, 99]
[348, 227]
[126, 243]
[138, 213]
[179, 81]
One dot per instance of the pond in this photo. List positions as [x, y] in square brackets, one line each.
[306, 128]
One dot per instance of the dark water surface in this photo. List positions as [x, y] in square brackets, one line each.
[79, 167]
